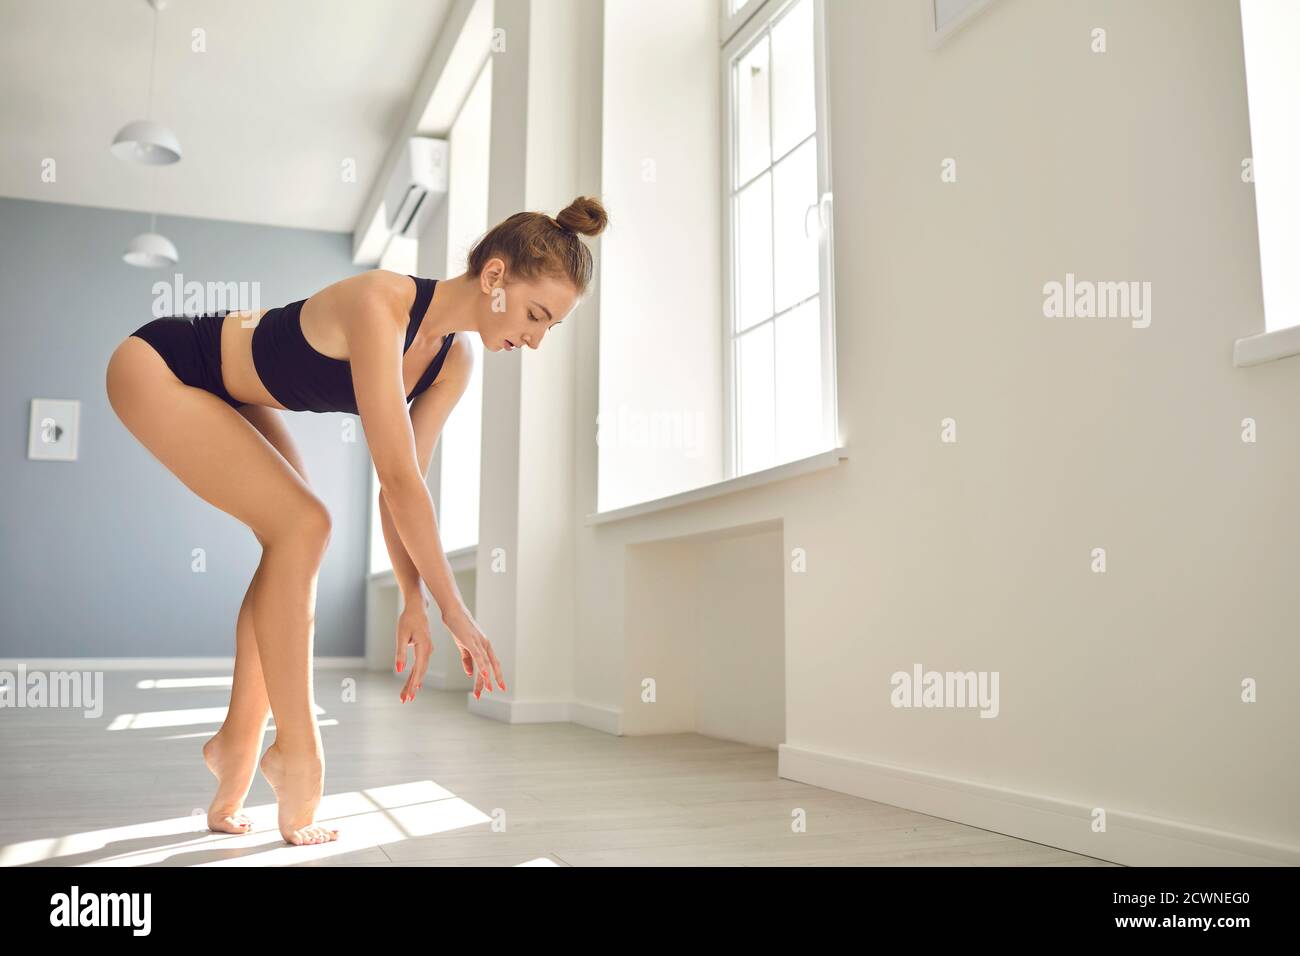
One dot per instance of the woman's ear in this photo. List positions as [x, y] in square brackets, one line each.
[493, 275]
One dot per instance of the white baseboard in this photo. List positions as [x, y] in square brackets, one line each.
[595, 716]
[1131, 839]
[155, 663]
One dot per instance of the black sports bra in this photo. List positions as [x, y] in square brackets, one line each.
[304, 380]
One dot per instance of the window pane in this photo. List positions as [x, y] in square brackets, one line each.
[794, 97]
[795, 189]
[756, 400]
[753, 139]
[753, 266]
[1269, 31]
[467, 213]
[799, 431]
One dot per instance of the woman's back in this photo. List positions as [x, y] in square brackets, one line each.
[295, 356]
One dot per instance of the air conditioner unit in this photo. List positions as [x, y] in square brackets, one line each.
[418, 184]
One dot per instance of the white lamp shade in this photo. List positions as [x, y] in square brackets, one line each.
[151, 251]
[144, 141]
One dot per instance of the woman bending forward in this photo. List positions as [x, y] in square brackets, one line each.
[203, 394]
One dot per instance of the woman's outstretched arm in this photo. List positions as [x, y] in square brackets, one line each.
[375, 334]
[429, 413]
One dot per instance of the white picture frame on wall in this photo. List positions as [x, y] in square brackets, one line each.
[52, 429]
[946, 17]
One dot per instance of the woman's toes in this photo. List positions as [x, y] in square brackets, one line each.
[237, 823]
[323, 834]
[311, 835]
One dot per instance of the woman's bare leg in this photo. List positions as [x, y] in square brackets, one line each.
[227, 462]
[232, 755]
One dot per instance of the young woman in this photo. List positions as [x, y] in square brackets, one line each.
[203, 396]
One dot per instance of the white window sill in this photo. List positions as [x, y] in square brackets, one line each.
[826, 459]
[1266, 347]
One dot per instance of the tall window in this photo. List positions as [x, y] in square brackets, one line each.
[467, 210]
[459, 447]
[1270, 31]
[780, 320]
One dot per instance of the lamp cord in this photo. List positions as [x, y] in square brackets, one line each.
[153, 56]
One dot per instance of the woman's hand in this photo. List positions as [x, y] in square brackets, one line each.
[476, 654]
[413, 630]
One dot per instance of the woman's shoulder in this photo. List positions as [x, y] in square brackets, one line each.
[366, 288]
[384, 282]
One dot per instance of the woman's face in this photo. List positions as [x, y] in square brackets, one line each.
[520, 312]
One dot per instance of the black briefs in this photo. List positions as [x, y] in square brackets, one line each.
[302, 379]
[191, 347]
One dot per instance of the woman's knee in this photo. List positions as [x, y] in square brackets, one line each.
[317, 524]
[306, 524]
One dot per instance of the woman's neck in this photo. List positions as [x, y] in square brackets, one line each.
[451, 309]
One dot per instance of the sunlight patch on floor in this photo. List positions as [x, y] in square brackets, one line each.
[168, 683]
[152, 720]
[364, 818]
[270, 726]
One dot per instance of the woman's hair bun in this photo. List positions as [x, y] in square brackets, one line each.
[585, 215]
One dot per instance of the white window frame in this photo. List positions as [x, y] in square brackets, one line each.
[739, 31]
[728, 22]
[1281, 335]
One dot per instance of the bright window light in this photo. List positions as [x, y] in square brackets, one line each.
[467, 210]
[780, 315]
[1270, 32]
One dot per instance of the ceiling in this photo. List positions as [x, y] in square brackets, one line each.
[284, 94]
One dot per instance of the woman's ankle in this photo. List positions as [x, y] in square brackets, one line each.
[298, 753]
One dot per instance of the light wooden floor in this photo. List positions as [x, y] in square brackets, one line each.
[426, 784]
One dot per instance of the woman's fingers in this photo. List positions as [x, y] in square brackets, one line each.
[423, 651]
[484, 664]
[496, 666]
[476, 657]
[399, 658]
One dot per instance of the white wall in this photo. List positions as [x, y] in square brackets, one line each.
[660, 278]
[545, 89]
[67, 585]
[705, 630]
[1118, 691]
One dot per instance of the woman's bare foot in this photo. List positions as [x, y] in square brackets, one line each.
[233, 767]
[298, 782]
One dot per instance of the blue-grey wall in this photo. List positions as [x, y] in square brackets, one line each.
[95, 555]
